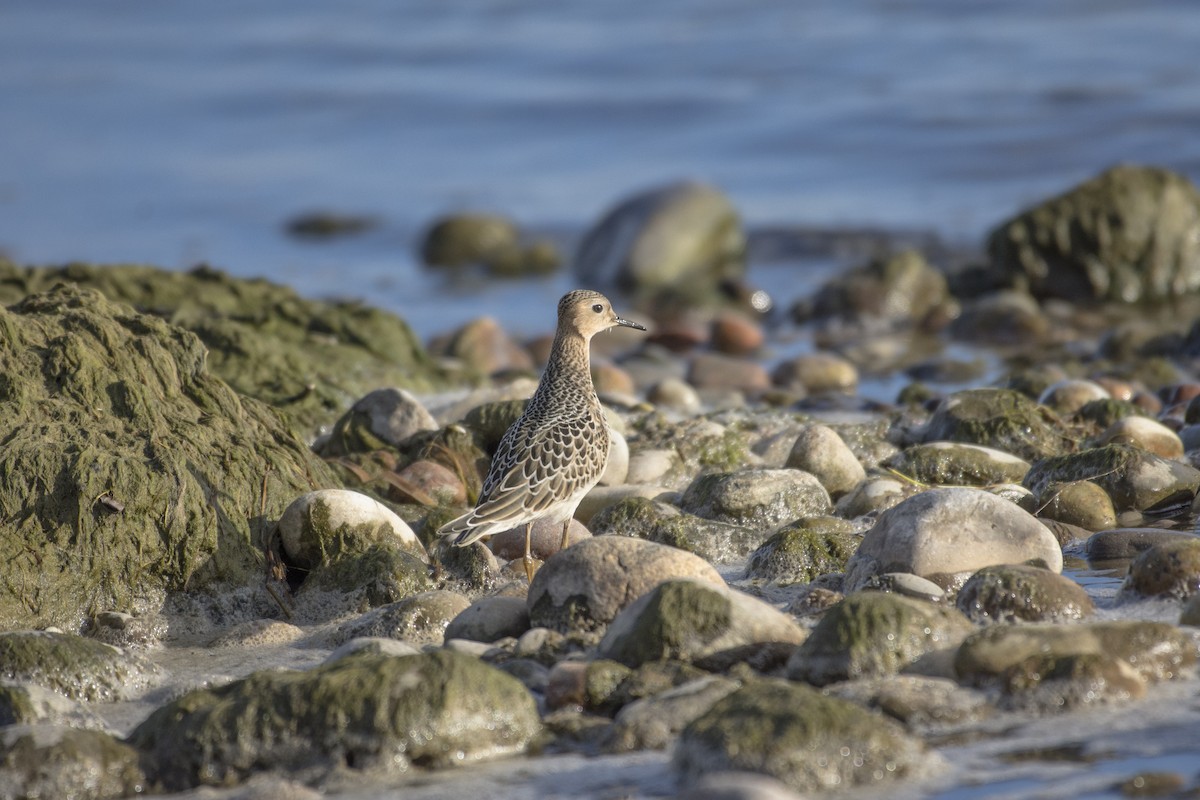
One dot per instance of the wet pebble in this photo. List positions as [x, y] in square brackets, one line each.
[1125, 544]
[1019, 593]
[1068, 396]
[1145, 433]
[719, 371]
[489, 619]
[820, 451]
[675, 394]
[1168, 569]
[652, 723]
[816, 373]
[418, 619]
[1083, 504]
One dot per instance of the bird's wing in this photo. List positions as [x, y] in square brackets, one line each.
[538, 466]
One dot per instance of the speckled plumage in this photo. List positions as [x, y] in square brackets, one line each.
[557, 450]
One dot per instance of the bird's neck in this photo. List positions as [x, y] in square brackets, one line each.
[568, 351]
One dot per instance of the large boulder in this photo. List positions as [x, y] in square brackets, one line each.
[1130, 234]
[372, 712]
[128, 468]
[684, 237]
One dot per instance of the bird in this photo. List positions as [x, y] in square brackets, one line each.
[557, 449]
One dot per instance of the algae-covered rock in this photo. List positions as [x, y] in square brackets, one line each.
[759, 498]
[1168, 569]
[999, 418]
[584, 587]
[792, 732]
[319, 528]
[458, 240]
[802, 551]
[958, 464]
[1156, 650]
[367, 712]
[39, 761]
[309, 358]
[875, 633]
[128, 469]
[1130, 234]
[1056, 667]
[688, 619]
[1134, 478]
[375, 576]
[920, 702]
[661, 522]
[79, 668]
[1021, 593]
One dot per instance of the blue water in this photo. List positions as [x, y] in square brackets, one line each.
[174, 133]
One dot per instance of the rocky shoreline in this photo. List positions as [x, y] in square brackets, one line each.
[780, 587]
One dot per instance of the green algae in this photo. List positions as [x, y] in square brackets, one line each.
[681, 616]
[127, 469]
[804, 550]
[311, 358]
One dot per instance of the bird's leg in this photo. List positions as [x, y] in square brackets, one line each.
[528, 560]
[566, 527]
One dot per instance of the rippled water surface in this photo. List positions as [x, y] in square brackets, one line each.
[173, 132]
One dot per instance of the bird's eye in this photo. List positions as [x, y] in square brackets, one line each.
[597, 308]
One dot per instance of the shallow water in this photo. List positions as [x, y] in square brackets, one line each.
[175, 133]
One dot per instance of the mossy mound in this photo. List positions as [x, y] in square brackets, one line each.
[126, 468]
[1130, 234]
[308, 357]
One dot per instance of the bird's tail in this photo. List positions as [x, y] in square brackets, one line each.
[462, 531]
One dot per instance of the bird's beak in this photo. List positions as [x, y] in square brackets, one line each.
[630, 324]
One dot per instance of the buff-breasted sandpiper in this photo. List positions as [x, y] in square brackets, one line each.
[557, 450]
